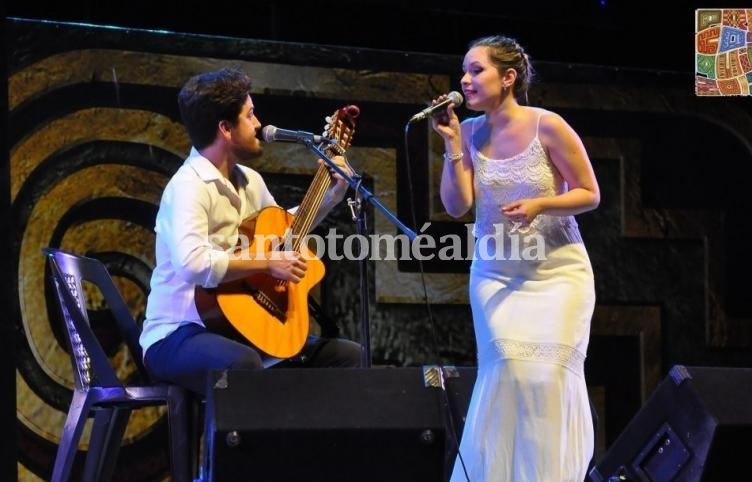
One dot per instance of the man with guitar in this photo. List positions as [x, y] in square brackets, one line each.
[200, 216]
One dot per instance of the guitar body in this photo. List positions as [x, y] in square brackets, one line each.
[261, 310]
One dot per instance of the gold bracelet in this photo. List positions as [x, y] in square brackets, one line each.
[453, 157]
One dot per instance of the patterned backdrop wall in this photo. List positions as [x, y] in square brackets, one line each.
[94, 135]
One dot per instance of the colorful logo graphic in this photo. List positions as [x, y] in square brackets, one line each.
[723, 51]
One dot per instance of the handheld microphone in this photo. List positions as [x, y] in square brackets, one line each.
[273, 134]
[453, 97]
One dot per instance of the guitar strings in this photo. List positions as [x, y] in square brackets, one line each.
[313, 199]
[321, 183]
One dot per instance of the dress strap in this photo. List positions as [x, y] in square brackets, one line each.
[537, 127]
[471, 143]
[475, 125]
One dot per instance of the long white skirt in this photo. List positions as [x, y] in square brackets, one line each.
[529, 417]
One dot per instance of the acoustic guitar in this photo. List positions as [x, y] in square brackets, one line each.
[268, 313]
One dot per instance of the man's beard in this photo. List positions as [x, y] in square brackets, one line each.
[244, 154]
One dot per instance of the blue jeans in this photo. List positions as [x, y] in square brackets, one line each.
[187, 355]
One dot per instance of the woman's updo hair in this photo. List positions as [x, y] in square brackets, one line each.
[506, 53]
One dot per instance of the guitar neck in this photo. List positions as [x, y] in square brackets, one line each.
[310, 206]
[340, 127]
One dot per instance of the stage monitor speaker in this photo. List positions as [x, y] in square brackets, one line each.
[696, 426]
[327, 425]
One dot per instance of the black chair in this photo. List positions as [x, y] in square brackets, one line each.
[97, 387]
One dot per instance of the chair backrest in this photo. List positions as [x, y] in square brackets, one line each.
[90, 362]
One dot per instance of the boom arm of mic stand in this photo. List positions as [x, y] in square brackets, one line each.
[365, 193]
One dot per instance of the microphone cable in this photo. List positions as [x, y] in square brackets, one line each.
[429, 313]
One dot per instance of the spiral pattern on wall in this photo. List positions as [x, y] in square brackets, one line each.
[89, 160]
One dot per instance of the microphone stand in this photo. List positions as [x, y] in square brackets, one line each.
[359, 217]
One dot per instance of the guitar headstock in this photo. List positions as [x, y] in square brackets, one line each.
[340, 127]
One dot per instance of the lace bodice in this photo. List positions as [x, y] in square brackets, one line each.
[528, 174]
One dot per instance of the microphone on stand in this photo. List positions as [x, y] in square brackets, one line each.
[274, 134]
[453, 97]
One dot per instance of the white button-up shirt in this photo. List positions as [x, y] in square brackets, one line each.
[196, 227]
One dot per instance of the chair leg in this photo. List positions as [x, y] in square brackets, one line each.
[106, 437]
[68, 446]
[96, 452]
[178, 408]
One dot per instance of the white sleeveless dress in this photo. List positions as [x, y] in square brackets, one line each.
[529, 417]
